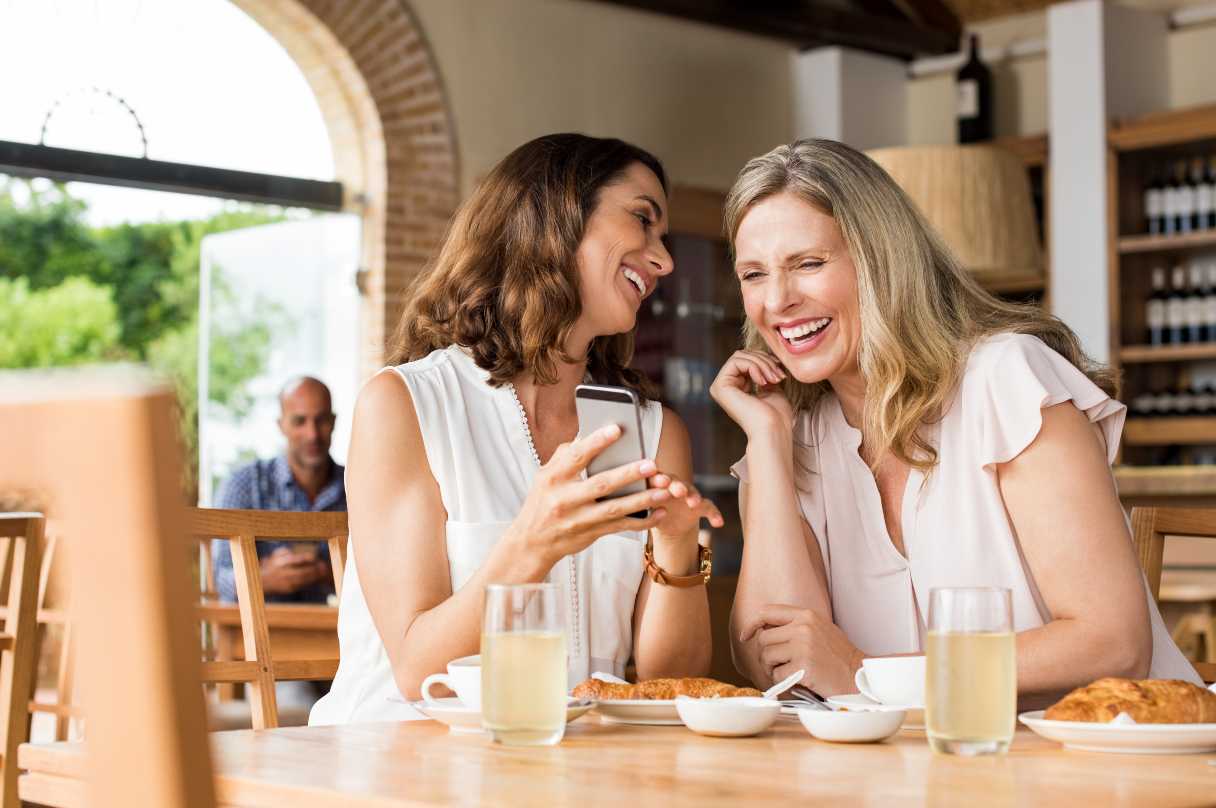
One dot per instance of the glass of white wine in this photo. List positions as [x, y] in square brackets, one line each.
[971, 689]
[523, 665]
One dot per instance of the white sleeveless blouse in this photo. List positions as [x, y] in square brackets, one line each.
[478, 449]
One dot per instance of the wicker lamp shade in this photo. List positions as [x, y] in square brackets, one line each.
[977, 198]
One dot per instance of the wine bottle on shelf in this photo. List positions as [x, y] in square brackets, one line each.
[1143, 405]
[1175, 308]
[1165, 403]
[1196, 330]
[1211, 183]
[1209, 303]
[1169, 202]
[1153, 202]
[1184, 400]
[1205, 195]
[1184, 199]
[1154, 309]
[1205, 400]
[973, 101]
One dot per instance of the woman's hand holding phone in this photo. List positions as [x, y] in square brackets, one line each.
[563, 513]
[757, 413]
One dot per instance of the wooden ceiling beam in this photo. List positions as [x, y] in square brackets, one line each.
[934, 14]
[808, 24]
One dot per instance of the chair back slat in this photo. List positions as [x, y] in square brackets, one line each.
[243, 529]
[1150, 526]
[19, 659]
[102, 447]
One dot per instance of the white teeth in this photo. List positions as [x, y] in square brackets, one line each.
[804, 329]
[636, 279]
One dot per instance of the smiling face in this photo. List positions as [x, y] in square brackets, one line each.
[800, 289]
[622, 255]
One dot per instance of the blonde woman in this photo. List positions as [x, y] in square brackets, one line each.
[906, 430]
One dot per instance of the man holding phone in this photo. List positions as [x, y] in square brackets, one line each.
[304, 478]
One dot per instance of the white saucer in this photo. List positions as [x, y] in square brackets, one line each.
[459, 718]
[651, 712]
[1142, 739]
[915, 718]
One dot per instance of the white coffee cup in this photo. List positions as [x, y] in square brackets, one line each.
[463, 676]
[893, 680]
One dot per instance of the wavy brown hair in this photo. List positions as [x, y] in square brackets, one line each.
[921, 311]
[505, 283]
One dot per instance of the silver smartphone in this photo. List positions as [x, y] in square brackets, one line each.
[601, 405]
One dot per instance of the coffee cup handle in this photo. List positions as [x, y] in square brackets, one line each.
[859, 679]
[434, 679]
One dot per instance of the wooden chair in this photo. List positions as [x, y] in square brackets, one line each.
[18, 644]
[102, 446]
[260, 670]
[1150, 526]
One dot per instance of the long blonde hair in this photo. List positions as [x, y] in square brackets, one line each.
[921, 311]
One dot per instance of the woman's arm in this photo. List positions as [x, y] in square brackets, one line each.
[671, 635]
[1068, 519]
[397, 533]
[781, 558]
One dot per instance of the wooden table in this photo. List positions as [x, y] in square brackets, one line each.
[421, 764]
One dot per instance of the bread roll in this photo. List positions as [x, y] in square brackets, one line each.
[1148, 701]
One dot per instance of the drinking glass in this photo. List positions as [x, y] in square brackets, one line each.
[970, 671]
[523, 665]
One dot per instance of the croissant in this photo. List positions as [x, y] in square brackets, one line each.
[701, 688]
[1148, 701]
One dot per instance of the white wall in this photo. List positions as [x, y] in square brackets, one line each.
[704, 99]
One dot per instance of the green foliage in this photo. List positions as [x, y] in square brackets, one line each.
[71, 294]
[69, 324]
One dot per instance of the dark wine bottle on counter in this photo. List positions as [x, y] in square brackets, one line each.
[1153, 203]
[1154, 309]
[973, 100]
[1175, 308]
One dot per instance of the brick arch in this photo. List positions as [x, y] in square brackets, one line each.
[391, 131]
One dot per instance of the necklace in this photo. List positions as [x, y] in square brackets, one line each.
[574, 623]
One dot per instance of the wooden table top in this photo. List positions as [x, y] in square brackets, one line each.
[421, 764]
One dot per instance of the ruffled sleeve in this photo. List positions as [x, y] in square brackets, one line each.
[1008, 382]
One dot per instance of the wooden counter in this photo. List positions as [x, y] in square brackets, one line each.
[421, 764]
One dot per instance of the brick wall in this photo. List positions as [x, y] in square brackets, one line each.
[390, 127]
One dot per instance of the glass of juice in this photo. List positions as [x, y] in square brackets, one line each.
[523, 665]
[971, 689]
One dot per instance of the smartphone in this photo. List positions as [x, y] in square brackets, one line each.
[601, 405]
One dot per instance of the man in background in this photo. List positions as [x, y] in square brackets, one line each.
[304, 478]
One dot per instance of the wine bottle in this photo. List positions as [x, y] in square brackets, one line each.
[1153, 203]
[1154, 309]
[1211, 183]
[1184, 199]
[1209, 305]
[973, 100]
[1205, 195]
[1195, 326]
[1175, 308]
[1169, 203]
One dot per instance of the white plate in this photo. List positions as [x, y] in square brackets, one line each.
[459, 718]
[652, 712]
[1136, 739]
[915, 718]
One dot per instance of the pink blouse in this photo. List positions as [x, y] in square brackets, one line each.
[955, 528]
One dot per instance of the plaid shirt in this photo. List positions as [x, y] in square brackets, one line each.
[268, 485]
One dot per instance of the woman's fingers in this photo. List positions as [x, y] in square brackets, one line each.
[571, 458]
[770, 615]
[606, 482]
[617, 507]
[777, 654]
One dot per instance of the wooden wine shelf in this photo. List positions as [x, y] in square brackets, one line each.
[1166, 431]
[1189, 241]
[1166, 482]
[1133, 354]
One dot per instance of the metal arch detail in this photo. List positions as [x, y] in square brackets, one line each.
[143, 137]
